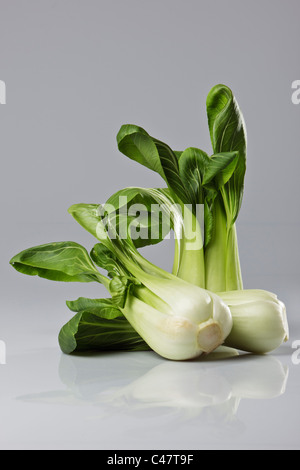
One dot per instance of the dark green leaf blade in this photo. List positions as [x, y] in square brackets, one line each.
[90, 331]
[139, 210]
[59, 261]
[192, 165]
[119, 288]
[208, 214]
[221, 168]
[178, 153]
[170, 166]
[105, 259]
[226, 123]
[228, 133]
[136, 144]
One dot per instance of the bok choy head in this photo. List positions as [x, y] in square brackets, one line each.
[148, 307]
[176, 319]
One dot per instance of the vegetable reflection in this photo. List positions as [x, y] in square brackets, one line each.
[209, 389]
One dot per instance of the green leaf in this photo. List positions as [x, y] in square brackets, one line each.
[90, 217]
[119, 288]
[104, 307]
[178, 153]
[220, 169]
[192, 165]
[129, 196]
[147, 224]
[101, 327]
[210, 196]
[208, 220]
[105, 259]
[203, 176]
[228, 133]
[170, 165]
[138, 145]
[134, 195]
[61, 261]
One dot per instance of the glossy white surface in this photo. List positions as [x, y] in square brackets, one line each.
[140, 401]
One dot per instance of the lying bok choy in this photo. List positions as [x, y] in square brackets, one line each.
[148, 308]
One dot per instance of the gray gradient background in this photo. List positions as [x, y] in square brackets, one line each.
[77, 70]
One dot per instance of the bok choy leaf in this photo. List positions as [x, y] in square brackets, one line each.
[99, 325]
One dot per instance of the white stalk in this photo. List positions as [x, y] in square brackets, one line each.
[259, 320]
[195, 322]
